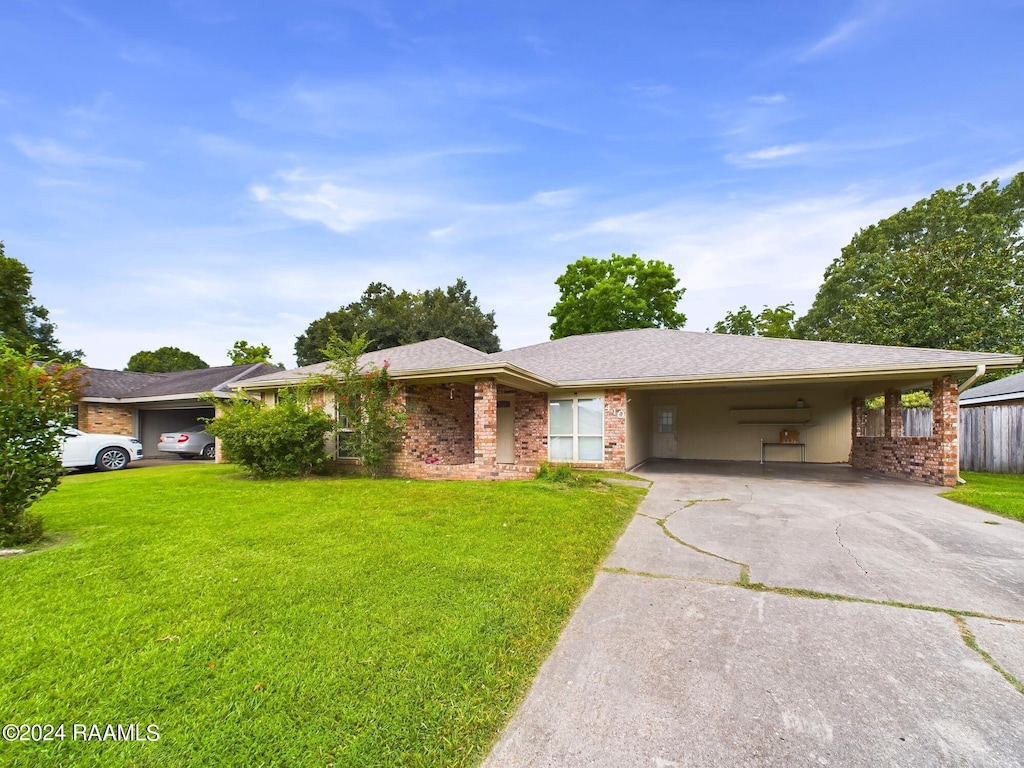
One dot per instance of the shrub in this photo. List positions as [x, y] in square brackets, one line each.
[564, 474]
[284, 441]
[34, 410]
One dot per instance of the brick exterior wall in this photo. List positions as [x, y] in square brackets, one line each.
[106, 418]
[531, 426]
[451, 432]
[934, 460]
[615, 429]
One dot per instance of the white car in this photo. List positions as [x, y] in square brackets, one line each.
[104, 452]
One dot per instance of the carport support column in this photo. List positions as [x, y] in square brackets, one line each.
[946, 427]
[893, 413]
[859, 426]
[485, 427]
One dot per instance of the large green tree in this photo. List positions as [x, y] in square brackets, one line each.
[23, 323]
[616, 294]
[947, 273]
[776, 323]
[244, 353]
[164, 360]
[389, 319]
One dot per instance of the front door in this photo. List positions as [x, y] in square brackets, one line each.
[665, 445]
[506, 448]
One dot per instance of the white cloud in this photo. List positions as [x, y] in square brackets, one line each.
[769, 100]
[50, 152]
[557, 197]
[339, 207]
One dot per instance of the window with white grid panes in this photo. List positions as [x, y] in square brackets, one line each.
[576, 429]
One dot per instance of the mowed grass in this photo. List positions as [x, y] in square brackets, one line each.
[1001, 494]
[322, 622]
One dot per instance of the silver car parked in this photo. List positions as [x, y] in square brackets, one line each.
[189, 443]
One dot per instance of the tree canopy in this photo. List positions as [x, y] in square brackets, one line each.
[776, 323]
[616, 294]
[23, 323]
[947, 273]
[389, 319]
[164, 360]
[244, 353]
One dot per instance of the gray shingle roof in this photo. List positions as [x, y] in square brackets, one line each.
[659, 353]
[662, 353]
[127, 385]
[422, 355]
[1008, 388]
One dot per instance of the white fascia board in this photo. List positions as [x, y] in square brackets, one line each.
[824, 375]
[992, 398]
[505, 371]
[153, 398]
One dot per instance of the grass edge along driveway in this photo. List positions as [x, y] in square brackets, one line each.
[999, 494]
[319, 622]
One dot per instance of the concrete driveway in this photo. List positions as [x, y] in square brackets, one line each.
[788, 615]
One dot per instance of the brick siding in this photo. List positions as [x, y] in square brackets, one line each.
[934, 460]
[105, 418]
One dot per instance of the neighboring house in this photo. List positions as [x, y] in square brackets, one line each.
[614, 400]
[992, 427]
[145, 404]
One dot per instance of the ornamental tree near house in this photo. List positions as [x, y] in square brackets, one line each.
[35, 402]
[368, 404]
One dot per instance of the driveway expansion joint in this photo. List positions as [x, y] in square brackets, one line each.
[743, 582]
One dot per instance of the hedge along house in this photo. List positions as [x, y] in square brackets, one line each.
[614, 400]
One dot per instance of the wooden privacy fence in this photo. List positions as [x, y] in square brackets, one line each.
[917, 422]
[991, 436]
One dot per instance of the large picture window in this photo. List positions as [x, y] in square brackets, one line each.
[576, 429]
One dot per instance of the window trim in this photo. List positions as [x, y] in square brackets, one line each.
[575, 434]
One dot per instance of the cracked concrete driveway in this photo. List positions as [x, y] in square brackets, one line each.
[789, 615]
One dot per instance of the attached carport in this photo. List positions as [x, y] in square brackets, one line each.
[816, 415]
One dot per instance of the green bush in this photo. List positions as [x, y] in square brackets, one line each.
[564, 474]
[284, 441]
[34, 410]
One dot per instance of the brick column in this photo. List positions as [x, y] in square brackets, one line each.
[893, 413]
[485, 425]
[615, 429]
[946, 428]
[859, 422]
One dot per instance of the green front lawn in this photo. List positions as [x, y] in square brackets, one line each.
[322, 622]
[1001, 494]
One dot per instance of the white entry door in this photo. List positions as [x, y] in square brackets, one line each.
[506, 448]
[665, 442]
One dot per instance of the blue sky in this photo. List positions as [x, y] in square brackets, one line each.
[192, 172]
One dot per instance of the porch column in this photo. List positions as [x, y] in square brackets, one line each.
[485, 424]
[859, 425]
[946, 427]
[893, 413]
